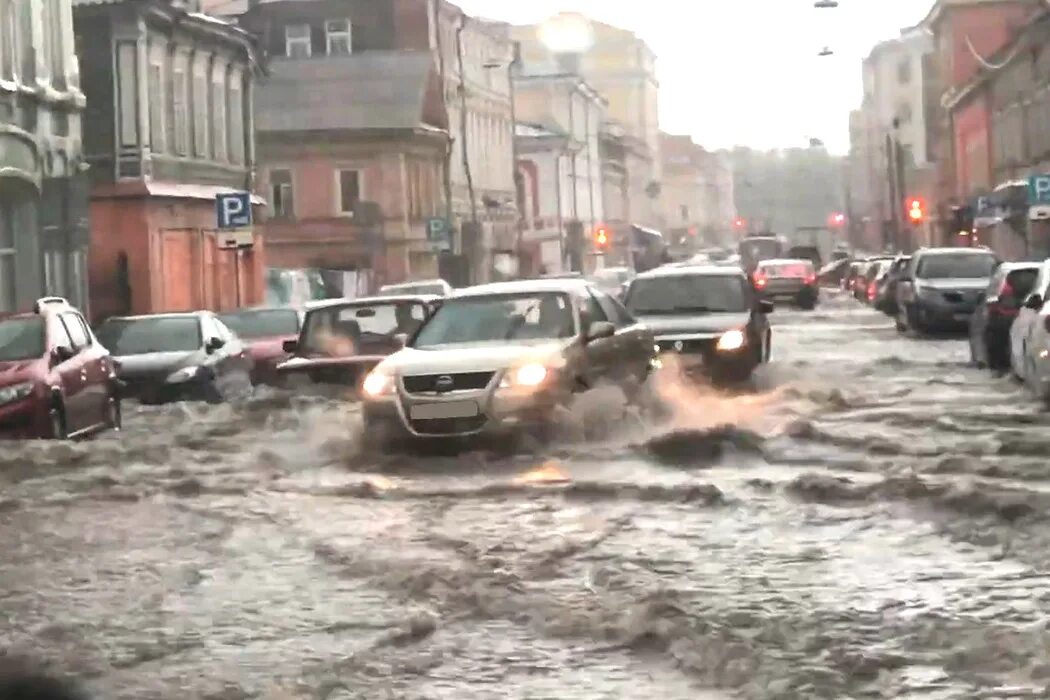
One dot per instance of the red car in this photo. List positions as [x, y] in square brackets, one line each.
[56, 380]
[264, 332]
[342, 339]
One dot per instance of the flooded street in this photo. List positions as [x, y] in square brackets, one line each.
[874, 521]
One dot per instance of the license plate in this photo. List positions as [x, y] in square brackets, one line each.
[445, 409]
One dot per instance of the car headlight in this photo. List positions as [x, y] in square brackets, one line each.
[8, 394]
[378, 383]
[731, 340]
[183, 375]
[530, 375]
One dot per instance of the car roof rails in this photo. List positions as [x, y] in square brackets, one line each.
[49, 301]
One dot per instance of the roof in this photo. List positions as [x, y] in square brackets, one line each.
[535, 286]
[379, 90]
[682, 270]
[947, 250]
[415, 283]
[170, 314]
[372, 301]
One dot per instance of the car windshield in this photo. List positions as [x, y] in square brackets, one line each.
[338, 330]
[760, 248]
[21, 339]
[544, 316]
[687, 294]
[268, 323]
[956, 265]
[140, 336]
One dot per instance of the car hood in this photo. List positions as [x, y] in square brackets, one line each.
[473, 357]
[954, 284]
[19, 371]
[132, 366]
[703, 323]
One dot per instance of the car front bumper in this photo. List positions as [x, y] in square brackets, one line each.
[462, 414]
[939, 313]
[698, 355]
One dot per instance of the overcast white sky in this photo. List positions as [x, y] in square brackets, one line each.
[744, 71]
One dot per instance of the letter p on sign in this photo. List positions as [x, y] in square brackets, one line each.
[1039, 189]
[233, 210]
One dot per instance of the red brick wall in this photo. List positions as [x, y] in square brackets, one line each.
[988, 26]
[973, 167]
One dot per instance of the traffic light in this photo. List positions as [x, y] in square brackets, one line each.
[916, 209]
[601, 237]
[837, 219]
[738, 223]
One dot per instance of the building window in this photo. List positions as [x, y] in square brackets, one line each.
[8, 296]
[47, 18]
[904, 71]
[200, 108]
[282, 196]
[58, 43]
[337, 37]
[126, 66]
[297, 41]
[218, 112]
[349, 190]
[157, 91]
[236, 117]
[54, 273]
[179, 126]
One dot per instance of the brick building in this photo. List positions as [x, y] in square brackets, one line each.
[169, 103]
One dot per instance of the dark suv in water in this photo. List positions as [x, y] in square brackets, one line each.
[941, 288]
[56, 379]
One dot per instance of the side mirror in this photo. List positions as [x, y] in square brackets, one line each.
[214, 344]
[62, 353]
[765, 306]
[290, 346]
[400, 339]
[599, 330]
[1034, 302]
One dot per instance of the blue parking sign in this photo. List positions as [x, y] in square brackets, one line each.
[233, 210]
[1039, 189]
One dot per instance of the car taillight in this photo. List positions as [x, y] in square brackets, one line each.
[872, 290]
[760, 281]
[1006, 291]
[810, 279]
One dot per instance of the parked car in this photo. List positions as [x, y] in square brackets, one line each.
[264, 332]
[941, 288]
[886, 296]
[56, 379]
[795, 280]
[709, 316]
[434, 287]
[996, 313]
[342, 340]
[189, 356]
[500, 358]
[806, 252]
[875, 276]
[1030, 336]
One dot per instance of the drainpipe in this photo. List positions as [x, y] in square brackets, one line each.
[405, 216]
[472, 255]
[446, 171]
[558, 204]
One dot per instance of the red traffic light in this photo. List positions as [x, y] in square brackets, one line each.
[837, 219]
[916, 210]
[738, 222]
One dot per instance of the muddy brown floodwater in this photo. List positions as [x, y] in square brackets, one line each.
[873, 521]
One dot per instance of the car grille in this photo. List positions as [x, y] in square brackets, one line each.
[960, 297]
[463, 381]
[448, 426]
[700, 345]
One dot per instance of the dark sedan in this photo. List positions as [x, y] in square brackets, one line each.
[176, 357]
[710, 317]
[342, 340]
[996, 311]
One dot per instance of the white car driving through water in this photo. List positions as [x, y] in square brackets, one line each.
[501, 357]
